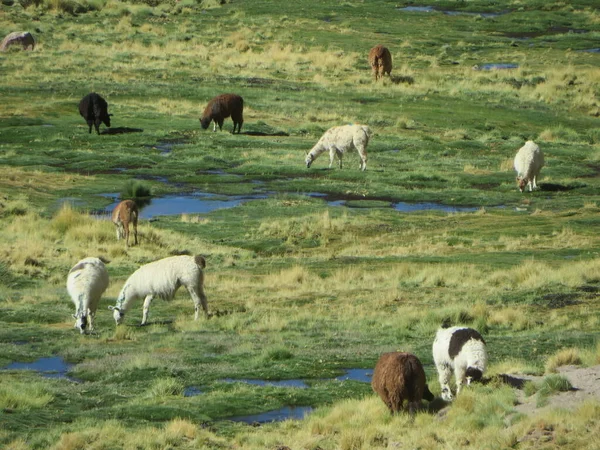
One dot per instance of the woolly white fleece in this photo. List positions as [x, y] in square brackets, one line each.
[528, 164]
[161, 279]
[86, 282]
[340, 140]
[473, 354]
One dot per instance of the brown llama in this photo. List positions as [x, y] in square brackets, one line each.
[125, 213]
[380, 60]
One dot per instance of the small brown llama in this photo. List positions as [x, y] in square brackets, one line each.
[126, 213]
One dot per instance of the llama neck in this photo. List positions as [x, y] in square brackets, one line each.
[124, 301]
[317, 150]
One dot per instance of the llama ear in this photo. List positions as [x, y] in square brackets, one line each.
[74, 316]
[112, 308]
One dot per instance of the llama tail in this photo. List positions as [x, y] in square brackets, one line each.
[200, 261]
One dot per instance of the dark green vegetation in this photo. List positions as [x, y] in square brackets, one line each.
[298, 289]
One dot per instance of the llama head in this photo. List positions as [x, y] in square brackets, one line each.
[205, 122]
[473, 374]
[118, 314]
[309, 160]
[446, 394]
[80, 322]
[521, 182]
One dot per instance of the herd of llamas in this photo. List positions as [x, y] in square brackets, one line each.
[398, 378]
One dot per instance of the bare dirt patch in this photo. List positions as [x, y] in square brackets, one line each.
[586, 386]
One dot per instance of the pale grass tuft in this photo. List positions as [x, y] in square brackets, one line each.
[18, 444]
[472, 170]
[289, 277]
[189, 218]
[512, 366]
[67, 218]
[511, 318]
[564, 357]
[179, 429]
[507, 165]
[124, 333]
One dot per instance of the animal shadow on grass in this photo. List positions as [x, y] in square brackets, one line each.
[553, 187]
[156, 322]
[406, 79]
[263, 133]
[225, 312]
[121, 130]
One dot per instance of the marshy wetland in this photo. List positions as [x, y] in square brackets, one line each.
[311, 273]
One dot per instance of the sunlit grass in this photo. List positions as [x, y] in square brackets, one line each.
[19, 395]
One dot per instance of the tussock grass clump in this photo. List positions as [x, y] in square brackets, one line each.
[66, 219]
[135, 189]
[314, 226]
[164, 387]
[564, 357]
[277, 353]
[550, 385]
[512, 318]
[176, 433]
[16, 207]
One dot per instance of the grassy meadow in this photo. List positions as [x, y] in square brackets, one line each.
[300, 288]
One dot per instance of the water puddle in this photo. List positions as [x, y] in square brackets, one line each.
[191, 391]
[166, 146]
[52, 367]
[485, 15]
[398, 206]
[195, 203]
[495, 66]
[277, 415]
[417, 9]
[363, 375]
[203, 203]
[591, 50]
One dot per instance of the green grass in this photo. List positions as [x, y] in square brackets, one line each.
[298, 289]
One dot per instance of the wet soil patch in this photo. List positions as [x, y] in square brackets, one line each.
[121, 130]
[429, 9]
[277, 415]
[279, 383]
[549, 32]
[166, 146]
[560, 300]
[589, 289]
